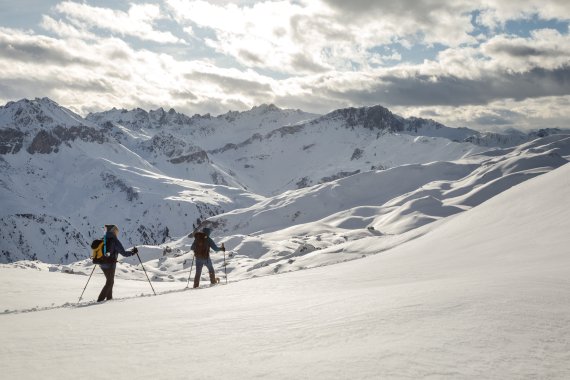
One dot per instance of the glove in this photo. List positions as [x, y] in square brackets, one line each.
[135, 250]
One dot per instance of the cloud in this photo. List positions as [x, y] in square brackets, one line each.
[307, 37]
[19, 46]
[105, 73]
[545, 112]
[65, 29]
[139, 21]
[451, 90]
[303, 63]
[409, 21]
[233, 83]
[495, 13]
[259, 35]
[314, 55]
[546, 48]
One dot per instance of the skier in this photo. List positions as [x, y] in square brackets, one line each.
[201, 247]
[114, 247]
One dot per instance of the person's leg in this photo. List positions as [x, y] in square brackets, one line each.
[211, 271]
[199, 265]
[111, 283]
[108, 282]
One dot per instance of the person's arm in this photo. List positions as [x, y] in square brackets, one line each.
[213, 245]
[120, 249]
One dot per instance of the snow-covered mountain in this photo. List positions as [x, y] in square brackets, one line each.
[268, 150]
[322, 224]
[159, 174]
[63, 178]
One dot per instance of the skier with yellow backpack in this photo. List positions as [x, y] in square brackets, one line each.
[105, 253]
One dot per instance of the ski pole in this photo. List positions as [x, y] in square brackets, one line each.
[146, 274]
[225, 264]
[81, 296]
[190, 274]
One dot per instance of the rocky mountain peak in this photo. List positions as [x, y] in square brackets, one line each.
[42, 126]
[139, 118]
[38, 113]
[266, 108]
[375, 117]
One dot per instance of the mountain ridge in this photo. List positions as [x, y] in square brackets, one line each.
[160, 174]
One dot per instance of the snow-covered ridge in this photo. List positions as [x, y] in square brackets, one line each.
[321, 224]
[140, 119]
[159, 174]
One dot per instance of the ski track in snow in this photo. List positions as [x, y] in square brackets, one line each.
[80, 304]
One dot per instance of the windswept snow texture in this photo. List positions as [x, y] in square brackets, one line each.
[485, 294]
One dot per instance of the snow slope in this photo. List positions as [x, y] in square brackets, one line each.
[314, 226]
[483, 295]
[88, 185]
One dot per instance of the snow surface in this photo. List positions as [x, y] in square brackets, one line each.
[485, 294]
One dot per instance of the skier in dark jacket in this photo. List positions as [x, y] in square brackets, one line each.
[114, 247]
[201, 247]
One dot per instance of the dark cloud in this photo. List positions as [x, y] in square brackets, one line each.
[304, 63]
[279, 32]
[419, 12]
[16, 88]
[250, 57]
[183, 94]
[118, 54]
[522, 51]
[122, 74]
[38, 50]
[368, 6]
[422, 90]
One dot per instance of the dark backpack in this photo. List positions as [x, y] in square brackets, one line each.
[201, 245]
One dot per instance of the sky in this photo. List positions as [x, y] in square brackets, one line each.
[485, 64]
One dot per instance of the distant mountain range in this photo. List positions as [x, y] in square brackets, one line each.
[159, 174]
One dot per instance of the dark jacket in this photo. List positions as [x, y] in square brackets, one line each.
[210, 243]
[114, 248]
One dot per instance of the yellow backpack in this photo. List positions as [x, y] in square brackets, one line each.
[98, 248]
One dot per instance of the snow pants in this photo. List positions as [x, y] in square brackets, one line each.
[107, 291]
[199, 265]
